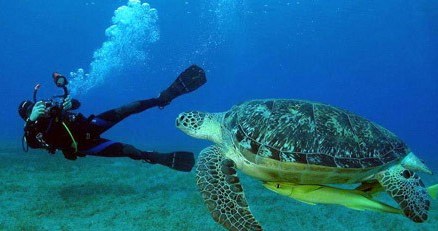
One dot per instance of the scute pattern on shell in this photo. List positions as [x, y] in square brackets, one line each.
[311, 133]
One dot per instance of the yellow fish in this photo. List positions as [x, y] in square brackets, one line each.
[319, 194]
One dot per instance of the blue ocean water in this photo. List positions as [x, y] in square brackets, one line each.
[375, 58]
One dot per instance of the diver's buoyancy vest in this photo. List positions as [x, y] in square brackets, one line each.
[51, 133]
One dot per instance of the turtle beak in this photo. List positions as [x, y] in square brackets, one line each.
[177, 122]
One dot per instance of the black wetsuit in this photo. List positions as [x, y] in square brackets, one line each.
[52, 133]
[76, 135]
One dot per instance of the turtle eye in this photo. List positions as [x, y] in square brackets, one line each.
[277, 186]
[406, 174]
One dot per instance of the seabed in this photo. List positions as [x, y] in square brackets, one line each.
[40, 191]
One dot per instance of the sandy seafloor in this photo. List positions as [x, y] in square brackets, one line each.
[43, 192]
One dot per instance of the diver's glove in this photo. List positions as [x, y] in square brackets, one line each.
[70, 104]
[180, 161]
[38, 110]
[189, 80]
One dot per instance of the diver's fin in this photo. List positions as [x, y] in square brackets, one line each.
[189, 80]
[180, 161]
[433, 191]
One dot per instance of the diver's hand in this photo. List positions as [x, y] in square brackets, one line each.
[67, 104]
[38, 110]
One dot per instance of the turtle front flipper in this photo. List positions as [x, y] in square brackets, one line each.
[372, 188]
[220, 187]
[408, 190]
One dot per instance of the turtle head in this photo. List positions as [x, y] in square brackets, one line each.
[415, 164]
[200, 125]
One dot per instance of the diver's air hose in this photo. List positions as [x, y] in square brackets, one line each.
[74, 143]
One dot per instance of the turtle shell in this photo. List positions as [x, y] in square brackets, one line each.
[311, 133]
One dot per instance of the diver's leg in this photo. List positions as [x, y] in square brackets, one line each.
[189, 80]
[181, 161]
[106, 120]
[118, 114]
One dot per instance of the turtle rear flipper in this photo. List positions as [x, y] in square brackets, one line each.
[220, 187]
[408, 190]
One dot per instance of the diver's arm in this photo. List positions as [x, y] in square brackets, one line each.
[31, 127]
[33, 132]
[34, 127]
[30, 133]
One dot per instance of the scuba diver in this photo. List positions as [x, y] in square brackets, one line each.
[51, 124]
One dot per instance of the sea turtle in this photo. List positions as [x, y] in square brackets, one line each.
[302, 142]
